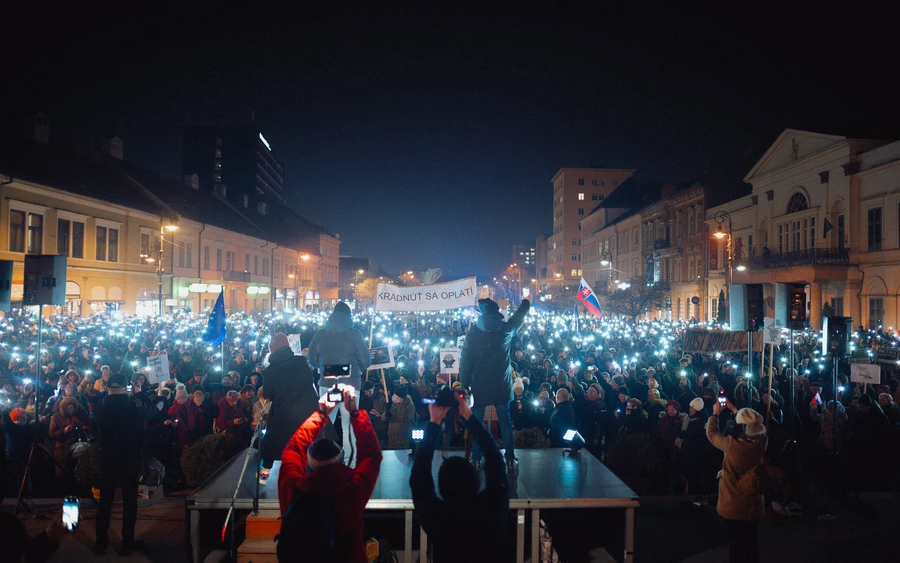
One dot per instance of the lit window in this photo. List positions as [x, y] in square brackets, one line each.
[580, 196]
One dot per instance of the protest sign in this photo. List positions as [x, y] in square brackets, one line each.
[450, 360]
[460, 340]
[711, 341]
[296, 346]
[436, 297]
[771, 332]
[158, 368]
[382, 357]
[865, 373]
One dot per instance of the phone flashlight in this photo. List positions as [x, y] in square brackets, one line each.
[70, 513]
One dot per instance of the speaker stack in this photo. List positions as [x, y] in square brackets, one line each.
[747, 307]
[6, 270]
[836, 336]
[45, 280]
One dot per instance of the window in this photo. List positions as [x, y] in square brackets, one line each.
[16, 231]
[276, 268]
[574, 272]
[101, 243]
[597, 182]
[35, 233]
[795, 235]
[246, 201]
[690, 221]
[580, 181]
[181, 257]
[63, 227]
[576, 242]
[837, 303]
[580, 196]
[205, 257]
[113, 252]
[77, 239]
[636, 239]
[678, 225]
[265, 266]
[188, 255]
[876, 312]
[797, 203]
[218, 259]
[256, 265]
[229, 261]
[874, 229]
[780, 239]
[581, 210]
[576, 257]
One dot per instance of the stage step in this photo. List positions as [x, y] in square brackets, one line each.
[257, 550]
[264, 524]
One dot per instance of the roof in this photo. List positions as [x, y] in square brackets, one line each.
[93, 174]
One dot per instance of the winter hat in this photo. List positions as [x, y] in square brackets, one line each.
[865, 400]
[279, 341]
[456, 385]
[544, 394]
[323, 452]
[675, 404]
[401, 392]
[16, 414]
[517, 384]
[488, 306]
[368, 385]
[618, 380]
[342, 307]
[697, 404]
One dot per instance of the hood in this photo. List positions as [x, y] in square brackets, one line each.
[338, 322]
[67, 401]
[279, 356]
[490, 322]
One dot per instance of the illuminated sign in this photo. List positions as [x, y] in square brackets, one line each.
[213, 288]
[264, 141]
[198, 288]
[264, 290]
[183, 292]
[252, 290]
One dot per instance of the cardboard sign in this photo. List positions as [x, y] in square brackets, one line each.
[865, 373]
[450, 360]
[712, 341]
[382, 357]
[771, 332]
[158, 368]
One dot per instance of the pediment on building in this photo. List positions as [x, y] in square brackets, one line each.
[791, 146]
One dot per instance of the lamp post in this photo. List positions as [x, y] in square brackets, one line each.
[170, 227]
[721, 217]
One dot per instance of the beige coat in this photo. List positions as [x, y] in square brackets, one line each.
[740, 456]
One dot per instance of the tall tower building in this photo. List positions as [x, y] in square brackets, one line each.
[576, 191]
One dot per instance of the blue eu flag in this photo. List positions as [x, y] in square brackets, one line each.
[215, 330]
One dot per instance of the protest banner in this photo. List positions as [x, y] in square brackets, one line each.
[382, 357]
[436, 297]
[296, 346]
[711, 341]
[158, 368]
[865, 373]
[450, 360]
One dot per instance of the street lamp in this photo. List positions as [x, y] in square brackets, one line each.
[721, 217]
[163, 229]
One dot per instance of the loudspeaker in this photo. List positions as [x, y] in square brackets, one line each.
[790, 306]
[836, 333]
[747, 306]
[6, 268]
[45, 280]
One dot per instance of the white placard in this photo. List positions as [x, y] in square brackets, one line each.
[460, 340]
[449, 360]
[158, 368]
[436, 297]
[382, 357]
[771, 332]
[294, 342]
[865, 373]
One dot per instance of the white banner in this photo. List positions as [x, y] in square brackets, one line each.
[450, 360]
[158, 368]
[437, 297]
[865, 373]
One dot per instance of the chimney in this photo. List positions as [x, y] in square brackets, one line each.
[192, 180]
[36, 127]
[113, 147]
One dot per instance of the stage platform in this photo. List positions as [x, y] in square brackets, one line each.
[547, 479]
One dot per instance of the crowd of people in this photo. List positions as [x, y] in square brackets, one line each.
[606, 378]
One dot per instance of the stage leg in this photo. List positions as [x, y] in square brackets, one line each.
[407, 537]
[629, 535]
[520, 536]
[423, 546]
[535, 535]
[195, 535]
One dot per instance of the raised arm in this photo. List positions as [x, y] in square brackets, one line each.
[518, 319]
[293, 458]
[421, 480]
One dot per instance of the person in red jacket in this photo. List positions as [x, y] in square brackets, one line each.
[231, 413]
[187, 420]
[346, 490]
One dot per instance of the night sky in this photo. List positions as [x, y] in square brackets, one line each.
[429, 139]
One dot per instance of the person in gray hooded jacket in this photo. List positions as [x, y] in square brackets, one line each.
[339, 343]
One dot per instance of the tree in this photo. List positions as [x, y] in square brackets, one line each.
[365, 291]
[409, 279]
[720, 314]
[637, 298]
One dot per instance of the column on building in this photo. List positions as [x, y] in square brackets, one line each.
[815, 305]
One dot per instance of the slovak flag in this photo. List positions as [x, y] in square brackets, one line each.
[589, 299]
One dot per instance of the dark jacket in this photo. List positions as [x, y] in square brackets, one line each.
[120, 426]
[289, 385]
[339, 343]
[484, 362]
[489, 509]
[562, 419]
[348, 489]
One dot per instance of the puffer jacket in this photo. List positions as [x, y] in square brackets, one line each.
[741, 455]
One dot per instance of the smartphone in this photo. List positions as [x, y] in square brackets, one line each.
[427, 401]
[722, 397]
[130, 388]
[336, 370]
[537, 403]
[70, 513]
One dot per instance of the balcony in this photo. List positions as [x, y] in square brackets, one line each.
[661, 244]
[808, 257]
[236, 276]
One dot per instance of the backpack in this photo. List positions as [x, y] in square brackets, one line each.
[309, 531]
[759, 479]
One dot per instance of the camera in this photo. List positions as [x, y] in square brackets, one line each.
[446, 397]
[335, 395]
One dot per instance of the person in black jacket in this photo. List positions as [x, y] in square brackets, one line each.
[458, 482]
[289, 385]
[120, 425]
[485, 370]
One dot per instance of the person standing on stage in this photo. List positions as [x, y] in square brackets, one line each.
[290, 388]
[120, 425]
[338, 343]
[485, 370]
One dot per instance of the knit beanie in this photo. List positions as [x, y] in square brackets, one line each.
[618, 380]
[517, 384]
[322, 452]
[401, 392]
[342, 307]
[675, 404]
[279, 341]
[697, 404]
